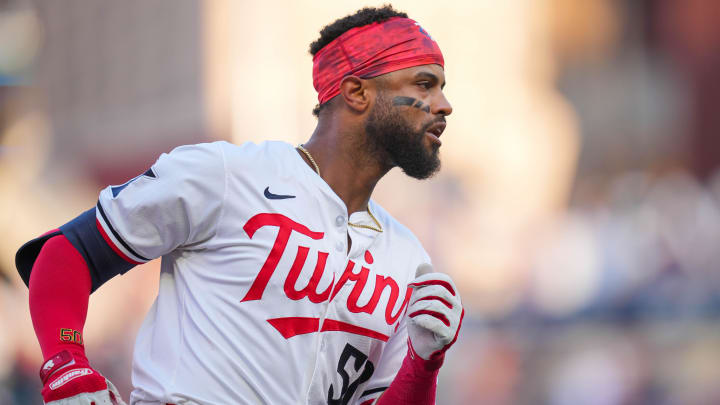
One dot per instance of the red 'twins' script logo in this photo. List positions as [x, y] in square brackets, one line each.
[293, 326]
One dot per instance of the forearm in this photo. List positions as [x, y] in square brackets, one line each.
[415, 382]
[59, 294]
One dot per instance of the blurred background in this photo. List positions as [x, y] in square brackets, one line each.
[578, 208]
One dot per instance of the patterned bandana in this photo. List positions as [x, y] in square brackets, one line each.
[372, 50]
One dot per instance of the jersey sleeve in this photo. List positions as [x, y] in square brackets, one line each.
[175, 204]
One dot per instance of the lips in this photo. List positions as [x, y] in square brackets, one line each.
[437, 128]
[434, 131]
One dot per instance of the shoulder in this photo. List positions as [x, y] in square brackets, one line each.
[223, 155]
[250, 151]
[228, 148]
[399, 235]
[198, 149]
[201, 157]
[268, 158]
[392, 225]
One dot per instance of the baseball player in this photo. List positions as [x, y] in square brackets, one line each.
[281, 281]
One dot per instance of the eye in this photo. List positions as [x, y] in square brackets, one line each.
[424, 84]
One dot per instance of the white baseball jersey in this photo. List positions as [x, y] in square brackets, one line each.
[260, 301]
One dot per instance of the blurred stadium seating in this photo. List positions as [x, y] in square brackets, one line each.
[578, 208]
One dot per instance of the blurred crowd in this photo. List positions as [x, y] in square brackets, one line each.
[582, 226]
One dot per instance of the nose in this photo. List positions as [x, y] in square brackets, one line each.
[442, 106]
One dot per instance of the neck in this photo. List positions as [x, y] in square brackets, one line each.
[347, 164]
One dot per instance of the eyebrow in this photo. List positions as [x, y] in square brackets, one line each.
[430, 76]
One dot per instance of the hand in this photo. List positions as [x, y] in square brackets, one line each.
[69, 380]
[435, 314]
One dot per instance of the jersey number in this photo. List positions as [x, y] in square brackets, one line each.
[71, 335]
[348, 388]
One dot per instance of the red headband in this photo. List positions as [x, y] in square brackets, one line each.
[372, 50]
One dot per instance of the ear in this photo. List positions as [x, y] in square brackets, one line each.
[354, 91]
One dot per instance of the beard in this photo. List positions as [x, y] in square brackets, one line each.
[396, 143]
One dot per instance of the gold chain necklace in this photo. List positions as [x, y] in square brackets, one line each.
[372, 228]
[309, 156]
[379, 227]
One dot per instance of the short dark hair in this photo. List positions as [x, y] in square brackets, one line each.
[364, 16]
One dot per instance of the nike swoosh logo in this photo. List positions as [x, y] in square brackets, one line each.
[272, 196]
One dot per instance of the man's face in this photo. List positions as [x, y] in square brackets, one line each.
[408, 117]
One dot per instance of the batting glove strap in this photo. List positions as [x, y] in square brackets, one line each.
[435, 315]
[55, 363]
[70, 380]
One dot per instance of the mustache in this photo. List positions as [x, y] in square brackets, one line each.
[433, 122]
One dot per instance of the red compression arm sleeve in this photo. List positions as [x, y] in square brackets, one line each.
[59, 294]
[415, 382]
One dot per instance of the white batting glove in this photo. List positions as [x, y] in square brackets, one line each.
[435, 313]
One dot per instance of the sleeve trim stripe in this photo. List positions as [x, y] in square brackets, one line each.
[114, 239]
[112, 244]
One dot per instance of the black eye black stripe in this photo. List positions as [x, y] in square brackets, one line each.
[412, 102]
[402, 100]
